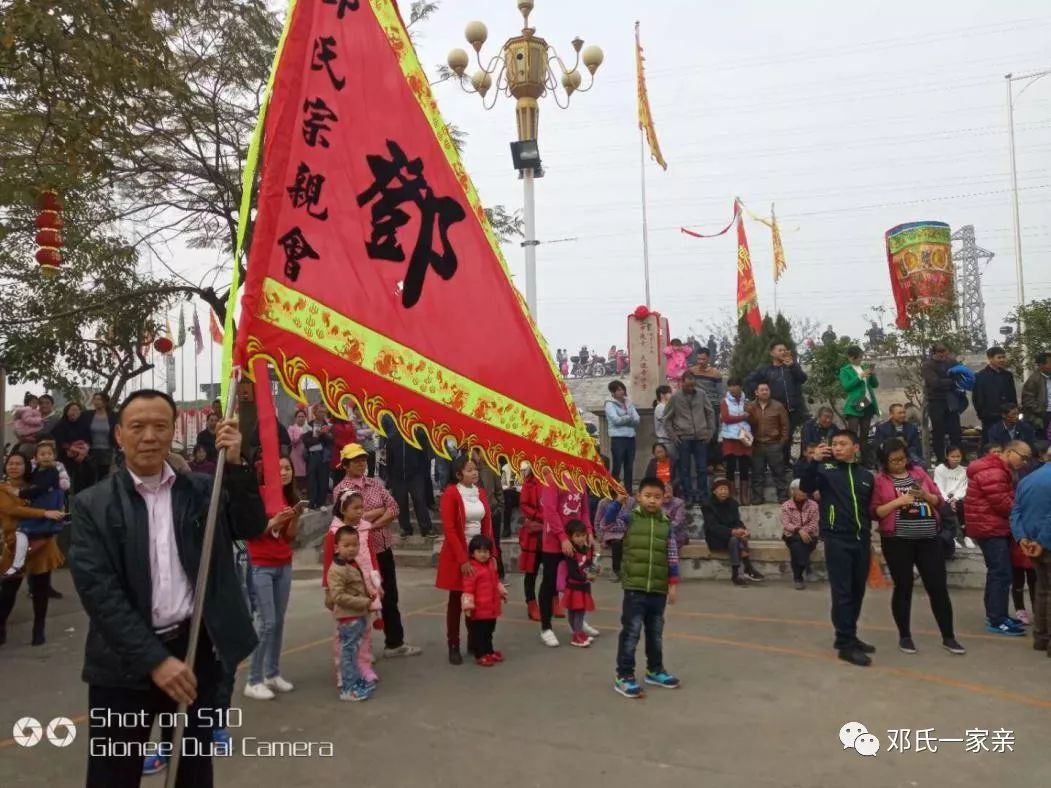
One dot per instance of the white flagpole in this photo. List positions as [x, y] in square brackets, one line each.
[645, 220]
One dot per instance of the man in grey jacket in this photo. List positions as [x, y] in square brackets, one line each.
[690, 422]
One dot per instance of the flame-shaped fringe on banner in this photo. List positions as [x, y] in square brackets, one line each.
[373, 269]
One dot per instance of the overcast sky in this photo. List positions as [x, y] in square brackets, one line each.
[851, 117]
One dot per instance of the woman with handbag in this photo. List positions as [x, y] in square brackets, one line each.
[20, 555]
[859, 385]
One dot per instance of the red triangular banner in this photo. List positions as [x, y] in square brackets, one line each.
[373, 268]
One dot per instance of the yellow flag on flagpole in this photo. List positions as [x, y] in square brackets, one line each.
[645, 116]
[780, 264]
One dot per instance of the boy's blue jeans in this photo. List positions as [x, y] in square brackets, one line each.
[350, 634]
[641, 611]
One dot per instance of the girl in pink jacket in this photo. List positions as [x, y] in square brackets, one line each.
[558, 507]
[676, 353]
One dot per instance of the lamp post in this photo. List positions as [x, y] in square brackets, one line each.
[525, 70]
[1009, 79]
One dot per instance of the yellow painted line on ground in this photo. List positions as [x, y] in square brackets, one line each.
[929, 678]
[809, 622]
[428, 610]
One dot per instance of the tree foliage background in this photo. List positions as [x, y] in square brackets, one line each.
[139, 114]
[1035, 337]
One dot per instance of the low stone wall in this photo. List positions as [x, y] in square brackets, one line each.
[769, 553]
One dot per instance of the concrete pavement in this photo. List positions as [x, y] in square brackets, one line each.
[762, 702]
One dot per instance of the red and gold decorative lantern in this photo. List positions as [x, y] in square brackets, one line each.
[48, 238]
[163, 345]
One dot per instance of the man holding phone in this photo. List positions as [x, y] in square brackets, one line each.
[845, 528]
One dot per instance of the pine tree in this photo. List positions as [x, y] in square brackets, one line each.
[751, 351]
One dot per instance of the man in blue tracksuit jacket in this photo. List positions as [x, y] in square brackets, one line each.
[846, 529]
[1031, 528]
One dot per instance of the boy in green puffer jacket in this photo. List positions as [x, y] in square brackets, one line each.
[650, 572]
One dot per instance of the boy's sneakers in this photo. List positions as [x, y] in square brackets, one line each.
[1005, 628]
[361, 691]
[580, 640]
[662, 679]
[221, 737]
[969, 542]
[863, 647]
[154, 764]
[855, 657]
[1023, 617]
[547, 637]
[754, 575]
[628, 687]
[404, 650]
[1013, 623]
[278, 684]
[258, 692]
[590, 631]
[906, 646]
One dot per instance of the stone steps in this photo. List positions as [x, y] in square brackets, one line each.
[769, 554]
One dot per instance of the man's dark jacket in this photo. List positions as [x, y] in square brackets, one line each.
[910, 433]
[937, 384]
[404, 462]
[993, 388]
[1001, 434]
[110, 563]
[786, 385]
[814, 434]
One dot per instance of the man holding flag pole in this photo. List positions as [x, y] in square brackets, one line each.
[141, 559]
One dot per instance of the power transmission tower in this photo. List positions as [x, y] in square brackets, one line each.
[969, 302]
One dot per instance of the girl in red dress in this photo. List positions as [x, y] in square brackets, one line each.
[580, 571]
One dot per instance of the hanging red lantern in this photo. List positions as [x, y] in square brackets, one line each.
[50, 260]
[49, 237]
[49, 220]
[163, 345]
[48, 201]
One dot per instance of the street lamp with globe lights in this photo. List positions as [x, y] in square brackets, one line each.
[525, 69]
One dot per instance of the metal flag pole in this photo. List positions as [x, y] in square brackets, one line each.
[645, 220]
[201, 586]
[777, 274]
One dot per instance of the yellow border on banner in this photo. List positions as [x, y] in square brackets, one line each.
[244, 212]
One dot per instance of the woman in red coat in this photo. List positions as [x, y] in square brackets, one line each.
[530, 535]
[465, 514]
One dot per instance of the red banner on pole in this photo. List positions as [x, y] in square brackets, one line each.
[747, 299]
[373, 268]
